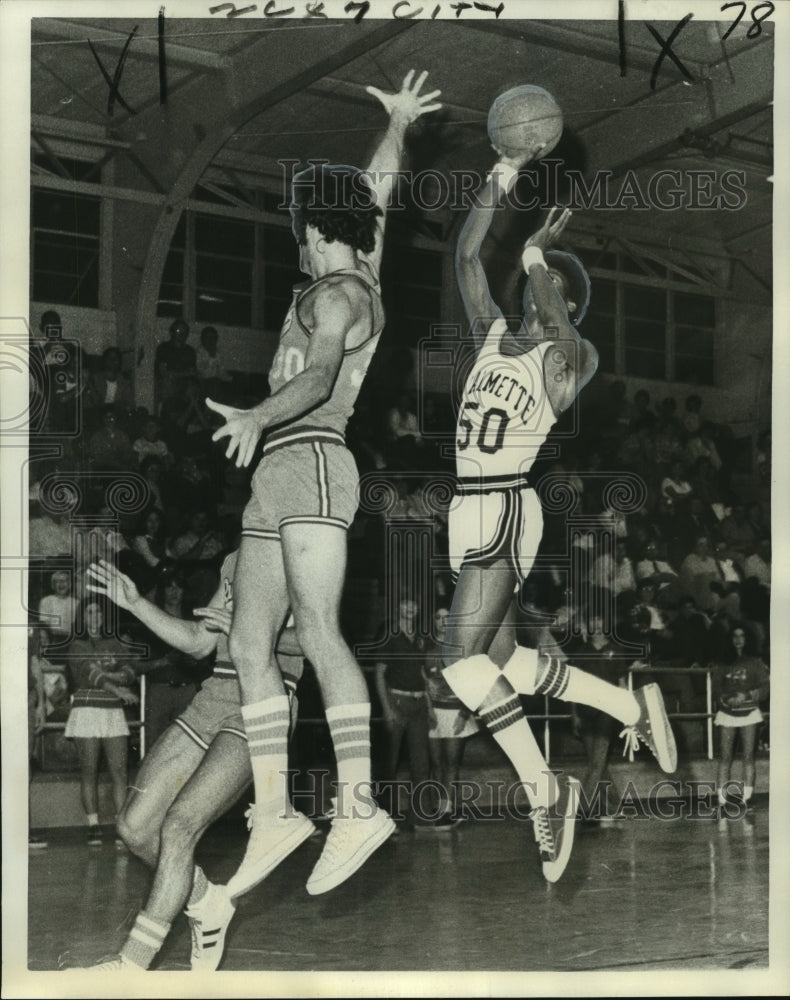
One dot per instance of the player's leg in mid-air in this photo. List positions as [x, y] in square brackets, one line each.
[260, 606]
[315, 565]
[482, 598]
[527, 671]
[641, 711]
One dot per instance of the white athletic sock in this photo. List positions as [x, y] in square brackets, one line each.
[477, 680]
[559, 679]
[266, 723]
[349, 727]
[505, 720]
[93, 819]
[144, 941]
[585, 689]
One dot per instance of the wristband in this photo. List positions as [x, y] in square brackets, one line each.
[503, 175]
[532, 255]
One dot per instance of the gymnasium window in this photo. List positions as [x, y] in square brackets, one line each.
[280, 271]
[600, 323]
[65, 231]
[171, 290]
[695, 320]
[237, 272]
[645, 313]
[412, 290]
[224, 261]
[645, 329]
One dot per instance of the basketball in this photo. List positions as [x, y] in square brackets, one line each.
[522, 118]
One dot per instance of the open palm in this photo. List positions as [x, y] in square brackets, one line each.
[408, 103]
[242, 428]
[107, 580]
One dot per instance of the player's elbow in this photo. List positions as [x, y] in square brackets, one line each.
[323, 390]
[466, 256]
[204, 645]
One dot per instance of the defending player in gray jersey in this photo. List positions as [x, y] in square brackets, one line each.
[293, 549]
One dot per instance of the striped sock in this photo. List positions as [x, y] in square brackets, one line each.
[561, 680]
[349, 727]
[505, 720]
[199, 887]
[144, 941]
[266, 723]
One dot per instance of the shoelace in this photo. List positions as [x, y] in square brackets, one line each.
[632, 738]
[249, 815]
[197, 943]
[542, 826]
[336, 839]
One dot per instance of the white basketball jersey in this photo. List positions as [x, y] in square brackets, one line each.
[505, 414]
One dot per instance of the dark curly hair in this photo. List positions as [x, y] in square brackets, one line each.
[338, 202]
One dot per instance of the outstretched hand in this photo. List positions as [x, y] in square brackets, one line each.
[107, 580]
[408, 104]
[550, 231]
[243, 428]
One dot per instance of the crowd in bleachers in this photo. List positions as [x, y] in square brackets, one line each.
[695, 553]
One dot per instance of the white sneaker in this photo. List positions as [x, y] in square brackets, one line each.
[116, 963]
[652, 728]
[272, 839]
[209, 920]
[350, 842]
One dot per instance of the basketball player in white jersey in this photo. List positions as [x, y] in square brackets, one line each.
[519, 385]
[293, 549]
[194, 772]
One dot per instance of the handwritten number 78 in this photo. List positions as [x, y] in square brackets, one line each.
[756, 27]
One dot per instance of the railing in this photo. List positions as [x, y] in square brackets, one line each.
[546, 717]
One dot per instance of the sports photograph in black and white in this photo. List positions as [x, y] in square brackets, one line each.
[389, 498]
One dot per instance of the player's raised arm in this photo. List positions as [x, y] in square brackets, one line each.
[481, 309]
[551, 307]
[403, 107]
[190, 637]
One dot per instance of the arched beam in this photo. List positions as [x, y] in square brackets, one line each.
[301, 72]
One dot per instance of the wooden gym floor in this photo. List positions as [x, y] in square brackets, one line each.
[644, 894]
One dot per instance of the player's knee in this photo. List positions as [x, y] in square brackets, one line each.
[316, 635]
[248, 649]
[133, 834]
